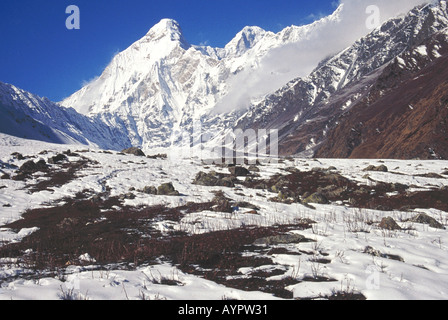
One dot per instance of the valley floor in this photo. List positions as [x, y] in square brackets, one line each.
[104, 225]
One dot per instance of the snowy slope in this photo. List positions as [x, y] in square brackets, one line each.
[340, 236]
[28, 116]
[161, 83]
[306, 108]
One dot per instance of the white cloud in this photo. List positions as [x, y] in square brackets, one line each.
[298, 59]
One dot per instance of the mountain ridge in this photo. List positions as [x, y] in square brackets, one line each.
[154, 92]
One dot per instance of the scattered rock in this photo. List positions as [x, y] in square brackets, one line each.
[135, 151]
[372, 251]
[158, 156]
[150, 190]
[317, 198]
[127, 196]
[377, 253]
[5, 177]
[280, 239]
[69, 153]
[389, 223]
[167, 189]
[57, 159]
[32, 167]
[425, 219]
[431, 175]
[17, 156]
[253, 168]
[221, 203]
[381, 168]
[214, 179]
[445, 173]
[239, 171]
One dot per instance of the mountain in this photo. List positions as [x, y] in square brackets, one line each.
[28, 116]
[379, 96]
[159, 86]
[353, 104]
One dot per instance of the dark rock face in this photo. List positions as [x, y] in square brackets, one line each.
[135, 151]
[389, 100]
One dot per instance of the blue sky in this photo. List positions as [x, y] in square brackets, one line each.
[39, 54]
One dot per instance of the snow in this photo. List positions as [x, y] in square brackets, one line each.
[422, 50]
[423, 273]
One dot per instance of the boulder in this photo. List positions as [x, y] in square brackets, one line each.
[317, 197]
[5, 176]
[239, 171]
[280, 239]
[381, 168]
[57, 159]
[253, 168]
[389, 223]
[135, 151]
[425, 219]
[214, 179]
[32, 167]
[221, 203]
[150, 190]
[167, 189]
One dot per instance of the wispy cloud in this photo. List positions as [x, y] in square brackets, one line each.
[298, 59]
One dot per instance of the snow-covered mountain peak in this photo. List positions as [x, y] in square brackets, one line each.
[166, 29]
[244, 40]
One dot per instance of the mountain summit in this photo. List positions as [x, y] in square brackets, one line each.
[301, 81]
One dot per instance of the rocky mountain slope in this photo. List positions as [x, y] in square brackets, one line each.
[28, 116]
[313, 110]
[161, 84]
[159, 88]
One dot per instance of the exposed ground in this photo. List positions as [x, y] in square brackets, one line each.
[92, 224]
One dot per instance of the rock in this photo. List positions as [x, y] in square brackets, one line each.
[377, 253]
[372, 251]
[316, 198]
[253, 168]
[167, 189]
[239, 171]
[221, 203]
[425, 219]
[5, 176]
[280, 239]
[17, 156]
[69, 153]
[32, 167]
[57, 159]
[380, 168]
[214, 179]
[135, 151]
[150, 190]
[158, 156]
[389, 223]
[129, 196]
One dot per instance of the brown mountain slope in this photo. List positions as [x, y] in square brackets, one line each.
[405, 114]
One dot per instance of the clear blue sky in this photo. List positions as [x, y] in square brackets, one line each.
[39, 54]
